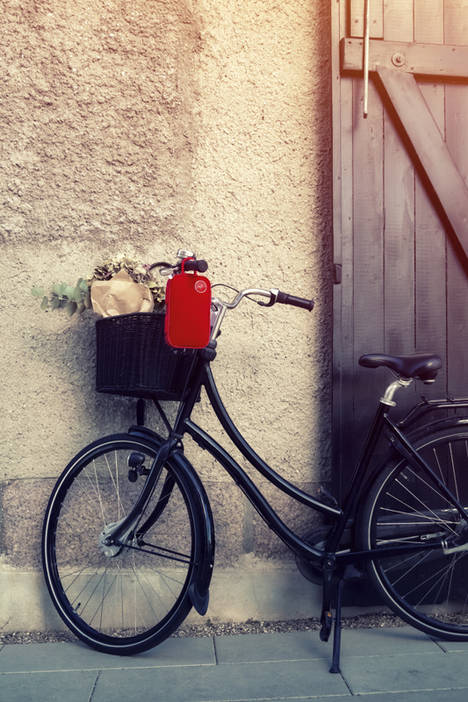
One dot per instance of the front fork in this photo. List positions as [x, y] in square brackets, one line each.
[116, 535]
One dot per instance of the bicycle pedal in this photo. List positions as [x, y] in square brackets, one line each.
[327, 622]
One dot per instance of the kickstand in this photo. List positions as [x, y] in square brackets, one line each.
[335, 666]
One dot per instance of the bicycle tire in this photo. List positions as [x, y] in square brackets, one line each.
[428, 589]
[122, 600]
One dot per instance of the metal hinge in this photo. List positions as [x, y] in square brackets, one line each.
[337, 273]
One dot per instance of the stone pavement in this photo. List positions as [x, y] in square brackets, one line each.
[387, 665]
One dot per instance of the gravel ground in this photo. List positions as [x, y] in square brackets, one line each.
[368, 621]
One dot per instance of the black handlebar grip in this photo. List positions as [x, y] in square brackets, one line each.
[285, 299]
[200, 266]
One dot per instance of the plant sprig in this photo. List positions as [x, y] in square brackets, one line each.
[63, 296]
[77, 298]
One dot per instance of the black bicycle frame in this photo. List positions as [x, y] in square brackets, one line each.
[203, 377]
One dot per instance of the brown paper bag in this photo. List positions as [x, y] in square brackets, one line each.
[120, 295]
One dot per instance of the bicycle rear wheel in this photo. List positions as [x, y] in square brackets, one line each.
[124, 598]
[429, 588]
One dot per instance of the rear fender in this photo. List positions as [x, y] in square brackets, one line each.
[414, 436]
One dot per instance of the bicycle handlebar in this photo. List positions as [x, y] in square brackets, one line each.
[201, 266]
[197, 265]
[167, 268]
[286, 299]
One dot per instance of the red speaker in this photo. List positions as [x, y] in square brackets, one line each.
[188, 310]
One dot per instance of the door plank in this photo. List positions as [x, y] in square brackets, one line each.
[343, 321]
[368, 252]
[456, 106]
[431, 149]
[356, 18]
[429, 21]
[398, 20]
[399, 212]
[430, 237]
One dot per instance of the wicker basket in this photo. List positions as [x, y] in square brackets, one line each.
[133, 359]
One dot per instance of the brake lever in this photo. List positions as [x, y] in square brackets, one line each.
[164, 267]
[271, 301]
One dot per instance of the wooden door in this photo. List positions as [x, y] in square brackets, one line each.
[400, 202]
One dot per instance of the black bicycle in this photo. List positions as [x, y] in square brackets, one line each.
[128, 537]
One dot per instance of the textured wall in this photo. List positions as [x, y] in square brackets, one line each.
[142, 127]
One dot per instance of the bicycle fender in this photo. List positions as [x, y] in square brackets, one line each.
[413, 435]
[199, 588]
[431, 427]
[145, 433]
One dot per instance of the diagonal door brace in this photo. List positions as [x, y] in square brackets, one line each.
[423, 132]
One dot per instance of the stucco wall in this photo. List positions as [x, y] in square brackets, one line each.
[143, 127]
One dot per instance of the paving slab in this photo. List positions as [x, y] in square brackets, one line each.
[386, 641]
[388, 665]
[47, 687]
[295, 645]
[426, 696]
[241, 681]
[305, 645]
[409, 672]
[434, 696]
[77, 656]
[454, 646]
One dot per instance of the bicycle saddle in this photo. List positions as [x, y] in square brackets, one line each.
[417, 365]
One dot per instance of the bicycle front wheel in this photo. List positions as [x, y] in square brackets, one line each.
[428, 588]
[128, 597]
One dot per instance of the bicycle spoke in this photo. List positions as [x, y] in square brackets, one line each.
[96, 489]
[455, 482]
[434, 450]
[443, 574]
[145, 595]
[422, 503]
[115, 482]
[76, 574]
[401, 563]
[431, 487]
[92, 592]
[424, 556]
[100, 607]
[411, 514]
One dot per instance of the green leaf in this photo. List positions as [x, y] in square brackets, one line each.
[55, 302]
[83, 285]
[69, 291]
[37, 292]
[45, 303]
